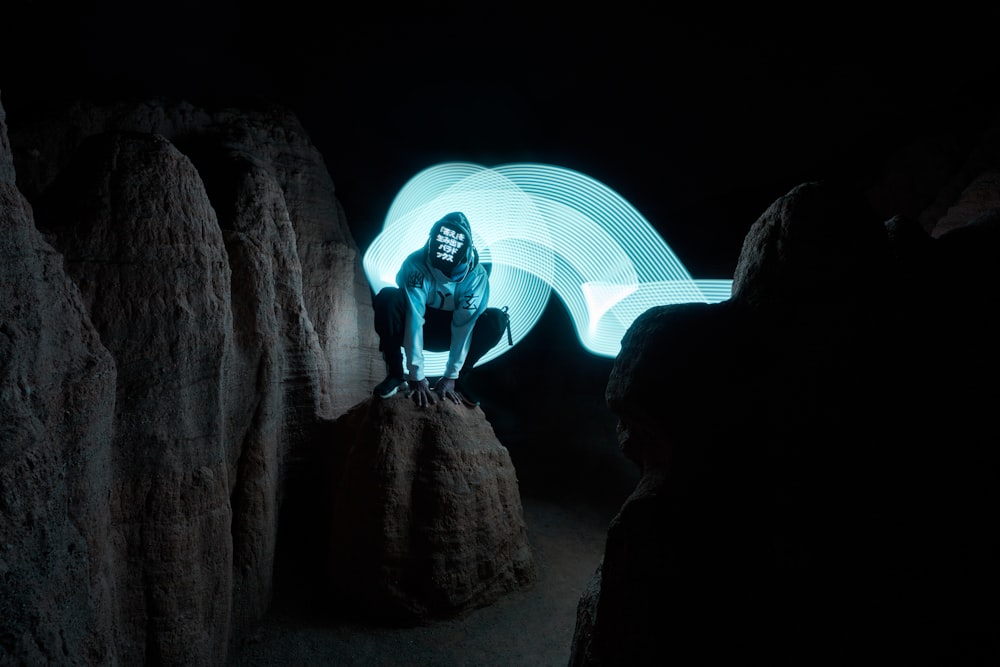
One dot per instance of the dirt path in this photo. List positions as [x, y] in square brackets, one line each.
[532, 628]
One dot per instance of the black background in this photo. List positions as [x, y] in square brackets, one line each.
[700, 117]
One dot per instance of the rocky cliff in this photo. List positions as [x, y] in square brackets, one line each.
[183, 307]
[819, 470]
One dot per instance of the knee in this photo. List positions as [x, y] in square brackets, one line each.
[493, 321]
[386, 298]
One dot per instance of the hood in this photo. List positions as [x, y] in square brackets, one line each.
[449, 247]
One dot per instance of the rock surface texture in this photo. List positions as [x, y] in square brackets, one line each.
[57, 400]
[819, 478]
[426, 521]
[184, 308]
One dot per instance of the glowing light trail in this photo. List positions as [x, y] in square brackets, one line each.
[542, 228]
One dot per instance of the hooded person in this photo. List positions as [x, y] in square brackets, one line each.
[439, 304]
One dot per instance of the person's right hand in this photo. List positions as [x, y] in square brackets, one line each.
[421, 392]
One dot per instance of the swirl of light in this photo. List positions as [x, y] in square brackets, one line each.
[541, 228]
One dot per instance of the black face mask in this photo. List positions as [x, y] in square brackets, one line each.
[449, 250]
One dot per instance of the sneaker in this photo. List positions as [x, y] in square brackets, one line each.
[389, 386]
[469, 397]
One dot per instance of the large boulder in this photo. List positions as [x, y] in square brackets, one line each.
[182, 297]
[57, 404]
[815, 482]
[426, 519]
[223, 143]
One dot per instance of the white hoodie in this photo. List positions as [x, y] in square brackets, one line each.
[426, 287]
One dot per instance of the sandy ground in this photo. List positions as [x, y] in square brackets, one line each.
[532, 627]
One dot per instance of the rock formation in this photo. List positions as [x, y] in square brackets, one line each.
[248, 158]
[183, 310]
[818, 481]
[426, 520]
[57, 402]
[185, 367]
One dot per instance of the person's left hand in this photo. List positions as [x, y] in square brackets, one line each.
[445, 389]
[421, 392]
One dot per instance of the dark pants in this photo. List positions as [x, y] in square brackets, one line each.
[390, 321]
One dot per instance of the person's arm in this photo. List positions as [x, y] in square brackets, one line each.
[413, 336]
[414, 283]
[471, 303]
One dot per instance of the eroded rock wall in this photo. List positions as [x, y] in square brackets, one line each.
[816, 482]
[184, 308]
[57, 401]
[335, 291]
[425, 516]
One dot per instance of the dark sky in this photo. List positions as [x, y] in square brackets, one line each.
[699, 117]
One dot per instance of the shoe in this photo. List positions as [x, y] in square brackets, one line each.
[469, 397]
[389, 386]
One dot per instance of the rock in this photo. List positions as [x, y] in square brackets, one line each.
[980, 196]
[222, 144]
[57, 398]
[141, 239]
[427, 519]
[161, 368]
[814, 479]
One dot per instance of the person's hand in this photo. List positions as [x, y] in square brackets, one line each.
[421, 392]
[445, 389]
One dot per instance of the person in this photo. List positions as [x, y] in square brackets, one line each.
[440, 303]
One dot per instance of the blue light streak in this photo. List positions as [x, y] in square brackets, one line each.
[543, 228]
